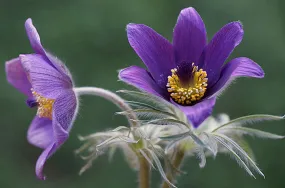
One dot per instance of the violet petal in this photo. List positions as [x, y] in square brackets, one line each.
[42, 160]
[17, 77]
[45, 80]
[219, 49]
[238, 67]
[141, 78]
[189, 37]
[197, 113]
[34, 37]
[154, 50]
[40, 132]
[35, 42]
[60, 65]
[64, 112]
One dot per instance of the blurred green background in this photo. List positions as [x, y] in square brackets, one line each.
[89, 35]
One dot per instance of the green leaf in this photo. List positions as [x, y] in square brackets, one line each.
[147, 158]
[143, 96]
[179, 136]
[148, 113]
[255, 132]
[235, 155]
[245, 146]
[244, 156]
[189, 133]
[167, 121]
[250, 119]
[140, 105]
[159, 166]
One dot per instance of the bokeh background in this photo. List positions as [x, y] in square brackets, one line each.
[89, 35]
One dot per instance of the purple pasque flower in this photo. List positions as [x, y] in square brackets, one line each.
[189, 72]
[48, 85]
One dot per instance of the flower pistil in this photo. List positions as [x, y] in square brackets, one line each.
[190, 91]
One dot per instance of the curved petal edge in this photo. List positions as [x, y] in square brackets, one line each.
[238, 67]
[141, 79]
[42, 160]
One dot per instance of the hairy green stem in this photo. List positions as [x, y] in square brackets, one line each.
[144, 173]
[177, 161]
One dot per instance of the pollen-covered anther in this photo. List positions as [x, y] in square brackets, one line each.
[187, 93]
[44, 105]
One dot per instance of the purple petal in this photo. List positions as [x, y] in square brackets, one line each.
[60, 66]
[45, 80]
[34, 37]
[40, 132]
[189, 37]
[238, 67]
[154, 50]
[140, 78]
[35, 42]
[17, 77]
[64, 112]
[43, 158]
[197, 113]
[219, 49]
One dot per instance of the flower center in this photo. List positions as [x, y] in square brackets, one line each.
[44, 105]
[189, 91]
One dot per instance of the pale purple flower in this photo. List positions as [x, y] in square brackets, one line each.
[190, 72]
[48, 85]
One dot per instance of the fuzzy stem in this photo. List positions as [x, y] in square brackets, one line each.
[144, 173]
[171, 176]
[114, 98]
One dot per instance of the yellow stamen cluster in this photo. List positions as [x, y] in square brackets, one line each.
[187, 93]
[44, 105]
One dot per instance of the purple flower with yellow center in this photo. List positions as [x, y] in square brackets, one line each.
[48, 85]
[190, 72]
